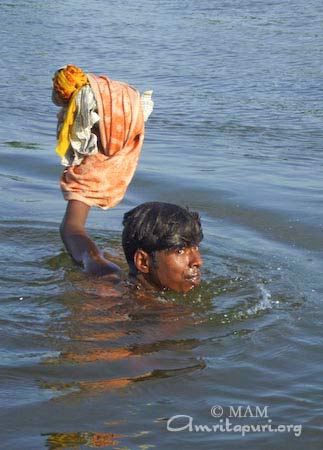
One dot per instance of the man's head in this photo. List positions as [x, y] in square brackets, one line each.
[161, 244]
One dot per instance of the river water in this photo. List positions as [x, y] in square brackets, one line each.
[236, 134]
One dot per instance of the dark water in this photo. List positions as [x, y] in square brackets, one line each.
[237, 135]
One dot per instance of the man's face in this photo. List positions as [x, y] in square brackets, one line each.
[176, 269]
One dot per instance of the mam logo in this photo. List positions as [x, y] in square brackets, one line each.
[248, 411]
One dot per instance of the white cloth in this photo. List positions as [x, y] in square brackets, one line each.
[147, 104]
[82, 141]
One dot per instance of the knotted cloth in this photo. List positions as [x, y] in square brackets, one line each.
[102, 179]
[67, 80]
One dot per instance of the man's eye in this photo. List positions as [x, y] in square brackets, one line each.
[180, 251]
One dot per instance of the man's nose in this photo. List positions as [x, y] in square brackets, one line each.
[196, 260]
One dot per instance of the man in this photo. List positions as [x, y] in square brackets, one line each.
[160, 242]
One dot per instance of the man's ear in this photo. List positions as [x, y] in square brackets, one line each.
[141, 260]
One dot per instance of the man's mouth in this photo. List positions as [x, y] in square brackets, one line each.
[194, 278]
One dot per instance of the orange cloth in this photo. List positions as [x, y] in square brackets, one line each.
[102, 179]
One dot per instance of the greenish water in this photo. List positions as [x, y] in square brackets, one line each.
[236, 134]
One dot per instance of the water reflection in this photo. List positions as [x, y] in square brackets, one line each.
[59, 441]
[119, 336]
[118, 330]
[77, 388]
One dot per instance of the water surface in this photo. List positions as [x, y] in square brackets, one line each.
[236, 134]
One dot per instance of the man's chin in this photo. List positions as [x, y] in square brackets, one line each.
[191, 283]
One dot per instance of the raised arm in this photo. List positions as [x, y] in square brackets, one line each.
[79, 245]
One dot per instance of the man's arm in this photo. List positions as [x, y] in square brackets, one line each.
[79, 245]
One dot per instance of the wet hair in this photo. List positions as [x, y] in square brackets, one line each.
[155, 226]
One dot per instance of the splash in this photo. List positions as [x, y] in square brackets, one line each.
[265, 302]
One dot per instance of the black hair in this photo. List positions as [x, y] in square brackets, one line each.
[157, 226]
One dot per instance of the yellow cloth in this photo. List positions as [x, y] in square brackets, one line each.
[67, 83]
[64, 134]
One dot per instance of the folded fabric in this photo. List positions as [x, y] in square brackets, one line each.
[101, 179]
